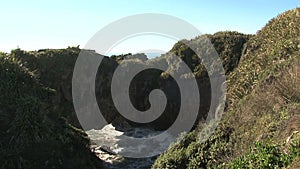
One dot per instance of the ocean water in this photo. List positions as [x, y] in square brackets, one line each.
[118, 142]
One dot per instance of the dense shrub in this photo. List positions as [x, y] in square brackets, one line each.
[32, 135]
[266, 155]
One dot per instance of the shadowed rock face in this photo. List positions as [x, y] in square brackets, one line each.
[140, 88]
[54, 69]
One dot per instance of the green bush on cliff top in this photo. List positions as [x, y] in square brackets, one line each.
[32, 135]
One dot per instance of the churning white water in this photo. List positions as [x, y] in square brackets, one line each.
[108, 142]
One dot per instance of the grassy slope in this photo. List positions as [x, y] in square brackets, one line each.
[263, 106]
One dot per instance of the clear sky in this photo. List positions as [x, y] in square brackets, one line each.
[34, 24]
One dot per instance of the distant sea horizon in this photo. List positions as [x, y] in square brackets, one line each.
[150, 55]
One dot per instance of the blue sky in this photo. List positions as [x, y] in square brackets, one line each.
[34, 24]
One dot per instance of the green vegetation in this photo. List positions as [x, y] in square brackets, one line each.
[260, 128]
[228, 45]
[53, 68]
[190, 152]
[263, 105]
[32, 134]
[264, 155]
